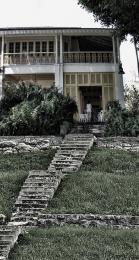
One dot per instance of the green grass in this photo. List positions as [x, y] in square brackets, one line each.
[77, 243]
[14, 169]
[112, 161]
[106, 184]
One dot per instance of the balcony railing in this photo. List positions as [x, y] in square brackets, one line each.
[29, 58]
[50, 58]
[88, 57]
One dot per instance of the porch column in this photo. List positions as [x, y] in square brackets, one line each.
[61, 69]
[56, 49]
[61, 49]
[119, 89]
[2, 65]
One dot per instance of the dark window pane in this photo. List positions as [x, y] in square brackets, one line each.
[37, 46]
[51, 46]
[24, 46]
[11, 47]
[44, 46]
[17, 47]
[30, 46]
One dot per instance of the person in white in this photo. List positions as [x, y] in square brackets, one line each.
[89, 111]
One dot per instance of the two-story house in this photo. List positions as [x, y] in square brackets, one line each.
[81, 62]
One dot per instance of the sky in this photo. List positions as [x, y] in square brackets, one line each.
[59, 13]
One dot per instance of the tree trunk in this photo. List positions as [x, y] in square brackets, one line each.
[136, 49]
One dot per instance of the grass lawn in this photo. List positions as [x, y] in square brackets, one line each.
[77, 243]
[107, 183]
[14, 169]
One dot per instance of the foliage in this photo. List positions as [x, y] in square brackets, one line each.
[120, 14]
[33, 110]
[132, 99]
[120, 121]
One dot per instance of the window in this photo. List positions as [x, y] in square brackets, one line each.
[51, 46]
[24, 46]
[30, 48]
[17, 47]
[67, 79]
[44, 46]
[11, 47]
[37, 46]
[93, 80]
[72, 79]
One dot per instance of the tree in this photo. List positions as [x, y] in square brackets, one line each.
[120, 14]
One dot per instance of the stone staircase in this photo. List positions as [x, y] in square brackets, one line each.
[40, 186]
[8, 237]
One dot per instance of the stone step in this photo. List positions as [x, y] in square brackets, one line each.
[8, 236]
[5, 237]
[29, 200]
[33, 196]
[30, 205]
[72, 163]
[69, 142]
[74, 145]
[39, 183]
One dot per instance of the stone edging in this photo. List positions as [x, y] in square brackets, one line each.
[89, 220]
[19, 144]
[118, 142]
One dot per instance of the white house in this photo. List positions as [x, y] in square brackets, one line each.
[82, 62]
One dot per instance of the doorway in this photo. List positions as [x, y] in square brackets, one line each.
[91, 95]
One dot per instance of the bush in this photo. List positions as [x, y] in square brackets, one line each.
[120, 121]
[33, 110]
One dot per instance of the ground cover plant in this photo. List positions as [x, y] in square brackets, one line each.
[107, 183]
[60, 243]
[14, 169]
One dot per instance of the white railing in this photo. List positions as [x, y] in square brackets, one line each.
[88, 57]
[29, 58]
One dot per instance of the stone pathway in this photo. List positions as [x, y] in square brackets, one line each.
[40, 186]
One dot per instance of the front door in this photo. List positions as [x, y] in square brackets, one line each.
[92, 95]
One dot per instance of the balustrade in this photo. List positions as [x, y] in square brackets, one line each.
[88, 57]
[29, 58]
[49, 58]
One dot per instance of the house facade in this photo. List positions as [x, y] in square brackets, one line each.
[81, 62]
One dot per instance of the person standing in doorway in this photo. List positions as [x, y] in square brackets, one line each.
[89, 111]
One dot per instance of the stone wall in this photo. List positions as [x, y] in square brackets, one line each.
[89, 220]
[19, 144]
[123, 143]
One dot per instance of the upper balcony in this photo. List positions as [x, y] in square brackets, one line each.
[55, 50]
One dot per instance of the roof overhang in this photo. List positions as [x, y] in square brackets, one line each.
[36, 31]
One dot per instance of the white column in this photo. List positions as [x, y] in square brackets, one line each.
[61, 49]
[59, 77]
[2, 66]
[119, 89]
[56, 49]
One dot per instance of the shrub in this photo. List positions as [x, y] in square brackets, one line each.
[120, 121]
[33, 110]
